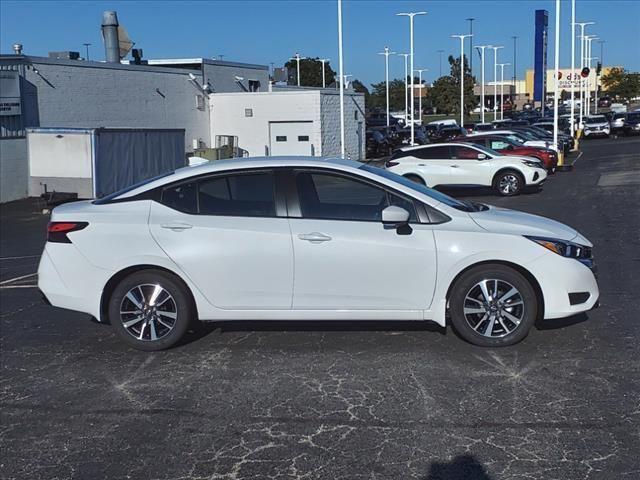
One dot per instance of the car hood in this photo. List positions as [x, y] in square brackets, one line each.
[512, 222]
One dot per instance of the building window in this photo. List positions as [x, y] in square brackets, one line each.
[355, 114]
[248, 112]
[254, 85]
[303, 138]
[281, 138]
[200, 102]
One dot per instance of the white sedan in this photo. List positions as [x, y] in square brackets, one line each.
[460, 164]
[282, 238]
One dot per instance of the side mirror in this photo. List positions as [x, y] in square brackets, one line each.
[482, 156]
[397, 218]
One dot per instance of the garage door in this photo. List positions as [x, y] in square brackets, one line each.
[291, 138]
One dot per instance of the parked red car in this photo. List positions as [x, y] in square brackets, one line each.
[509, 146]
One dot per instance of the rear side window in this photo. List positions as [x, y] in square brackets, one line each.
[432, 153]
[248, 195]
[181, 197]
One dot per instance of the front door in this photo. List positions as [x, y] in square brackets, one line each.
[223, 232]
[291, 138]
[467, 169]
[346, 259]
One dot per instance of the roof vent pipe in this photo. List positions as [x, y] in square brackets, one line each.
[110, 36]
[17, 48]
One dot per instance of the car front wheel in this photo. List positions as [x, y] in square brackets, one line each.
[509, 183]
[493, 306]
[150, 310]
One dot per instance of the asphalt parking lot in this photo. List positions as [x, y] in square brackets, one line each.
[313, 400]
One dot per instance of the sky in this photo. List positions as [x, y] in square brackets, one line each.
[263, 32]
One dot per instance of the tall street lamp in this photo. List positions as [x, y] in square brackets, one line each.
[555, 76]
[582, 26]
[470, 20]
[420, 70]
[573, 65]
[482, 104]
[587, 61]
[386, 54]
[502, 65]
[411, 16]
[461, 37]
[440, 52]
[495, 80]
[515, 65]
[341, 73]
[601, 42]
[297, 58]
[323, 60]
[406, 87]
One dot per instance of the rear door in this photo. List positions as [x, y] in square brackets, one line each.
[226, 234]
[435, 164]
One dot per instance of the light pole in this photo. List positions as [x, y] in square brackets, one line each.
[515, 65]
[481, 49]
[502, 65]
[573, 65]
[582, 26]
[323, 60]
[470, 20]
[341, 68]
[440, 52]
[462, 37]
[386, 54]
[601, 42]
[587, 62]
[495, 80]
[420, 70]
[411, 16]
[556, 93]
[86, 46]
[406, 87]
[297, 58]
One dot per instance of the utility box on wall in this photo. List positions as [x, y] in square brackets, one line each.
[92, 163]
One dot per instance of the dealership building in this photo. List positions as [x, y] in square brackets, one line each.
[215, 102]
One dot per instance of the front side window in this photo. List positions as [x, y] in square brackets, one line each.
[335, 197]
[181, 197]
[464, 153]
[498, 145]
[244, 195]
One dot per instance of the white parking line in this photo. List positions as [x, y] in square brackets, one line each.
[19, 258]
[11, 280]
[3, 287]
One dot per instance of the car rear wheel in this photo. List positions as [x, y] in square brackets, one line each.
[509, 183]
[415, 179]
[150, 310]
[493, 306]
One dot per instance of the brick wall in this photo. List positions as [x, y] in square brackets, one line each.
[353, 114]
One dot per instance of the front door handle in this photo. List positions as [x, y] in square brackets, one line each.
[314, 237]
[177, 226]
[455, 166]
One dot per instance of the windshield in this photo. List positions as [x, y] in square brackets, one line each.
[599, 119]
[437, 196]
[487, 150]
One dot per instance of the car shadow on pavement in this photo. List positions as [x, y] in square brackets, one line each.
[462, 467]
[559, 323]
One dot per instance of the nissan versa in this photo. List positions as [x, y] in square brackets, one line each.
[309, 239]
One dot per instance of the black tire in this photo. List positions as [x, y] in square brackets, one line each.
[467, 287]
[415, 179]
[512, 178]
[158, 319]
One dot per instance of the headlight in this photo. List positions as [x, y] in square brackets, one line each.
[533, 163]
[566, 249]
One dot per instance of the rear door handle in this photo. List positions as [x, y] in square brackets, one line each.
[177, 227]
[455, 166]
[314, 237]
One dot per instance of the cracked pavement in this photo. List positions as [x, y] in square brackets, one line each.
[322, 400]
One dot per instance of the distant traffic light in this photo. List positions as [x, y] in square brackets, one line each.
[599, 68]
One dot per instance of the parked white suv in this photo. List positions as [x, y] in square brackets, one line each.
[285, 238]
[448, 164]
[596, 125]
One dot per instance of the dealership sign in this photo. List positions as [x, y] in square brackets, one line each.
[567, 79]
[10, 93]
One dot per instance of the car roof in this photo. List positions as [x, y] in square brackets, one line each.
[240, 164]
[432, 145]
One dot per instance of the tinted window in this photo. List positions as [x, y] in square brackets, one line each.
[181, 197]
[281, 138]
[334, 197]
[464, 153]
[249, 195]
[431, 153]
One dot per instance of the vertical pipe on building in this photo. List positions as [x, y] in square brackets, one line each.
[110, 34]
[341, 68]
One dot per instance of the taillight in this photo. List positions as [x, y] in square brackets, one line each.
[57, 231]
[391, 163]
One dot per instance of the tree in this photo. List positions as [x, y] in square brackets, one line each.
[445, 93]
[310, 72]
[621, 84]
[378, 97]
[360, 87]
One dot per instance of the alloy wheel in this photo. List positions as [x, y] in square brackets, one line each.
[148, 312]
[509, 183]
[494, 308]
